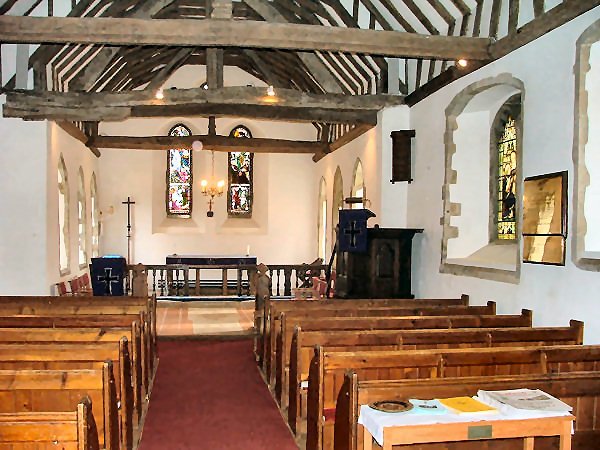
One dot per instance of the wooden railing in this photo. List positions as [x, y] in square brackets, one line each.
[179, 280]
[284, 276]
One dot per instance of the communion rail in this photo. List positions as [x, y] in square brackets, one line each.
[179, 280]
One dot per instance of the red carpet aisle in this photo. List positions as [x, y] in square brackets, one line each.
[210, 395]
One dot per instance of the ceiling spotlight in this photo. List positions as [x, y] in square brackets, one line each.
[271, 91]
[462, 62]
[159, 94]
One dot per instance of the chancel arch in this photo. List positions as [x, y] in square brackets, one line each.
[322, 220]
[337, 202]
[358, 183]
[179, 177]
[81, 220]
[63, 217]
[586, 157]
[95, 215]
[476, 176]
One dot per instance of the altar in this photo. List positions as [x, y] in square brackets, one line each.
[210, 260]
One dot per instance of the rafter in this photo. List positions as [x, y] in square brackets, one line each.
[289, 104]
[209, 142]
[223, 33]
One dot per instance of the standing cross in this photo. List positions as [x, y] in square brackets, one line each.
[108, 278]
[128, 203]
[352, 231]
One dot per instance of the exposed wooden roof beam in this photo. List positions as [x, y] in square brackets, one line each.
[355, 132]
[74, 131]
[288, 105]
[248, 34]
[209, 142]
[541, 25]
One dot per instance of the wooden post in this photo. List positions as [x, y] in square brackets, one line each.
[224, 281]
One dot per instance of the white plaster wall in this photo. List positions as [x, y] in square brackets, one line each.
[555, 294]
[471, 190]
[364, 147]
[23, 180]
[592, 152]
[280, 230]
[76, 155]
[394, 199]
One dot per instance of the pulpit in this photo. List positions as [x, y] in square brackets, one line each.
[383, 271]
[107, 275]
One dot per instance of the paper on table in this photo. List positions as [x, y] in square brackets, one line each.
[523, 399]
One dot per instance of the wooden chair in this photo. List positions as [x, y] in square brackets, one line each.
[84, 285]
[74, 286]
[61, 289]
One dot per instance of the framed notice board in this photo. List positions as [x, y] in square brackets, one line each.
[545, 218]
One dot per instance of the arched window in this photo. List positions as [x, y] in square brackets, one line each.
[358, 183]
[81, 219]
[240, 178]
[95, 217]
[63, 217]
[322, 220]
[179, 177]
[507, 170]
[338, 202]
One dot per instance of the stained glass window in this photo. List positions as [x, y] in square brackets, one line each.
[507, 171]
[239, 195]
[179, 177]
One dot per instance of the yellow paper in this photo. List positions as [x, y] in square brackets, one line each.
[466, 405]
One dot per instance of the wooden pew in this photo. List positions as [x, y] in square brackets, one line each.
[80, 356]
[94, 321]
[303, 343]
[90, 335]
[386, 323]
[370, 311]
[581, 390]
[327, 372]
[39, 391]
[272, 308]
[89, 305]
[49, 430]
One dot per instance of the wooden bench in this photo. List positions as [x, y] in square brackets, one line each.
[303, 343]
[81, 356]
[49, 430]
[90, 335]
[95, 321]
[272, 308]
[89, 305]
[387, 323]
[581, 390]
[327, 372]
[293, 317]
[39, 391]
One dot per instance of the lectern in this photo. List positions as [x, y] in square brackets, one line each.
[383, 271]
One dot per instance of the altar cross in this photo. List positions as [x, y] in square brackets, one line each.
[352, 232]
[108, 278]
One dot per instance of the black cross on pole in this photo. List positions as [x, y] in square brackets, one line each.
[108, 278]
[128, 203]
[352, 231]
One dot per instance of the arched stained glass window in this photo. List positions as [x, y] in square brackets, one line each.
[63, 217]
[179, 177]
[507, 181]
[240, 177]
[95, 217]
[81, 220]
[338, 202]
[358, 184]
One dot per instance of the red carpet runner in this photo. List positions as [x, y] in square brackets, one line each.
[210, 395]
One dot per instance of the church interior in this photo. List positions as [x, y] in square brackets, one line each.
[266, 140]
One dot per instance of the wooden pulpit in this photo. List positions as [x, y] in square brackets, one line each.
[383, 271]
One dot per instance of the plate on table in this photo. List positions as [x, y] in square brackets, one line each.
[391, 406]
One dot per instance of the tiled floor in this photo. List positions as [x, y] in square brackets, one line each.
[204, 318]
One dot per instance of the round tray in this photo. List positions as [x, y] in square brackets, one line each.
[391, 406]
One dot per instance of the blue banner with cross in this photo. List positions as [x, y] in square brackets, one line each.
[352, 232]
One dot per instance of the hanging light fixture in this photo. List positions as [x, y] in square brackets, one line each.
[271, 91]
[212, 189]
[159, 94]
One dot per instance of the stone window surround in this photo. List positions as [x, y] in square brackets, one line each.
[583, 260]
[464, 266]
